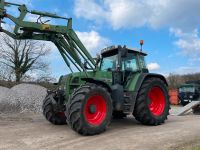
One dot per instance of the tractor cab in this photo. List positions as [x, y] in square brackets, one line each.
[188, 92]
[122, 62]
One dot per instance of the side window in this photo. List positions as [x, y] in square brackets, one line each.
[109, 63]
[142, 62]
[129, 62]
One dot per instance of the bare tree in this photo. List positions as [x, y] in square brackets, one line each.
[173, 81]
[176, 80]
[22, 56]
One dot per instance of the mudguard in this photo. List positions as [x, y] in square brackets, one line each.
[144, 76]
[92, 80]
[140, 81]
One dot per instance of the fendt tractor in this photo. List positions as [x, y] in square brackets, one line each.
[115, 84]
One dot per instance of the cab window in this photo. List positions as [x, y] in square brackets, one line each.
[129, 62]
[109, 63]
[142, 62]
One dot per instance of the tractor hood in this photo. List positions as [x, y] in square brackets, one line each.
[74, 80]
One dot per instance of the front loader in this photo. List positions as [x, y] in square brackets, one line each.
[113, 85]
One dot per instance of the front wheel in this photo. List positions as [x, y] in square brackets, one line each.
[49, 112]
[152, 104]
[89, 110]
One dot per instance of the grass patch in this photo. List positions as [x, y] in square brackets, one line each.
[196, 148]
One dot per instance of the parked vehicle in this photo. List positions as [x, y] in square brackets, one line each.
[188, 92]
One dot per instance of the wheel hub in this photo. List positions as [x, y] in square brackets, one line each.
[157, 101]
[92, 109]
[95, 110]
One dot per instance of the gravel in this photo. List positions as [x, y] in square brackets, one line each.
[22, 98]
[3, 92]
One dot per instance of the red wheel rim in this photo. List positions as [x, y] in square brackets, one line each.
[96, 117]
[61, 114]
[157, 101]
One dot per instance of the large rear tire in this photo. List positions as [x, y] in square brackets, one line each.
[89, 110]
[54, 117]
[152, 104]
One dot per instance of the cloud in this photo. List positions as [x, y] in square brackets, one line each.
[137, 13]
[93, 41]
[179, 14]
[125, 14]
[187, 42]
[89, 9]
[118, 13]
[153, 66]
[187, 70]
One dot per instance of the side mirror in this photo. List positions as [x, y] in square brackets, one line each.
[97, 59]
[86, 65]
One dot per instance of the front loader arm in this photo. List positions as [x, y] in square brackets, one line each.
[64, 37]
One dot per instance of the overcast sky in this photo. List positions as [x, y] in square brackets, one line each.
[170, 29]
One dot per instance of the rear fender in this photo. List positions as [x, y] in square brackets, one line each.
[141, 79]
[145, 76]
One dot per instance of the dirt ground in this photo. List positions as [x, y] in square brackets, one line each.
[32, 132]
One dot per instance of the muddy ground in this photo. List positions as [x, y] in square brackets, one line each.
[28, 131]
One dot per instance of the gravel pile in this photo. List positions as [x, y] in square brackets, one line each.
[3, 92]
[22, 98]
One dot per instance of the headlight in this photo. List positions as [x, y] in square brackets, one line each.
[191, 96]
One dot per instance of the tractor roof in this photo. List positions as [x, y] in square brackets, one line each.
[115, 48]
[193, 82]
[189, 85]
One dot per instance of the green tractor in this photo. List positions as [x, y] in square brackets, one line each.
[115, 84]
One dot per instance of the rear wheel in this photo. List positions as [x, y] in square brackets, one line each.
[152, 105]
[53, 116]
[89, 110]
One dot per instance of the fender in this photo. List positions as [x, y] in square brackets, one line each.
[92, 80]
[144, 76]
[139, 83]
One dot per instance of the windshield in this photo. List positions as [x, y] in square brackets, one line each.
[129, 62]
[109, 63]
[187, 89]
